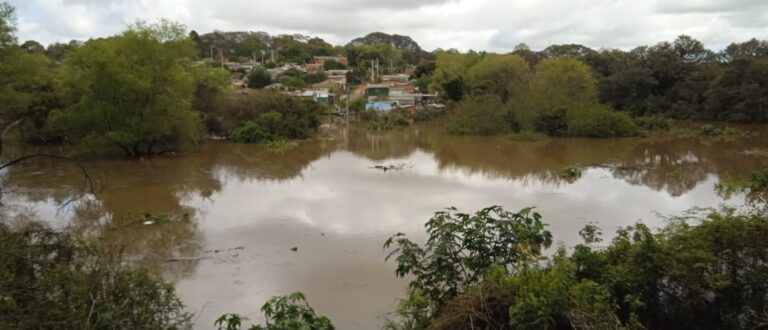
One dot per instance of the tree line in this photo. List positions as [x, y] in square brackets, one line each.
[680, 79]
[141, 92]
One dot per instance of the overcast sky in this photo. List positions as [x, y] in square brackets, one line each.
[493, 25]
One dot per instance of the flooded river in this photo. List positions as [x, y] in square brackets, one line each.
[235, 212]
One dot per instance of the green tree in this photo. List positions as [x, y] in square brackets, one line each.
[259, 78]
[33, 47]
[747, 49]
[462, 247]
[58, 51]
[561, 85]
[132, 91]
[483, 115]
[298, 118]
[212, 96]
[53, 279]
[740, 93]
[7, 25]
[27, 92]
[451, 74]
[333, 65]
[506, 76]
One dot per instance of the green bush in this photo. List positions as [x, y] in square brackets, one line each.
[483, 115]
[282, 313]
[427, 114]
[294, 83]
[526, 136]
[267, 128]
[385, 120]
[259, 78]
[268, 115]
[710, 131]
[653, 123]
[601, 123]
[369, 115]
[704, 270]
[57, 280]
[552, 123]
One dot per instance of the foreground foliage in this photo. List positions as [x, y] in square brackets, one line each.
[707, 269]
[285, 312]
[56, 280]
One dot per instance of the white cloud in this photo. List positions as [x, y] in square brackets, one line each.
[495, 25]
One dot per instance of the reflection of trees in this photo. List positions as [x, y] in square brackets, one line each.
[128, 190]
[378, 146]
[670, 164]
[169, 242]
[131, 188]
[257, 162]
[678, 165]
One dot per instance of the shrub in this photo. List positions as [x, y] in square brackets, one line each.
[704, 270]
[483, 115]
[462, 247]
[294, 83]
[526, 136]
[55, 279]
[710, 131]
[427, 114]
[369, 115]
[298, 118]
[653, 123]
[552, 123]
[601, 123]
[286, 312]
[259, 78]
[267, 128]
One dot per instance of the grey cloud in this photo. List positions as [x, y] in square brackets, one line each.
[706, 6]
[494, 25]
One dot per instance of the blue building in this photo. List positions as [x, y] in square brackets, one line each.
[383, 106]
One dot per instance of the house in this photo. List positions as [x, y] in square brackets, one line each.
[320, 95]
[313, 67]
[382, 106]
[336, 73]
[338, 76]
[377, 90]
[394, 78]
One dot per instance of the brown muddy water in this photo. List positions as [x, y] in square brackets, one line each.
[238, 210]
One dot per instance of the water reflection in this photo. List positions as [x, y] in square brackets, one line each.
[235, 211]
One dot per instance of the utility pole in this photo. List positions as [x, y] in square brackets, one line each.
[211, 53]
[348, 99]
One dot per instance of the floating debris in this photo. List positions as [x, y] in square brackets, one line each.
[294, 249]
[392, 167]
